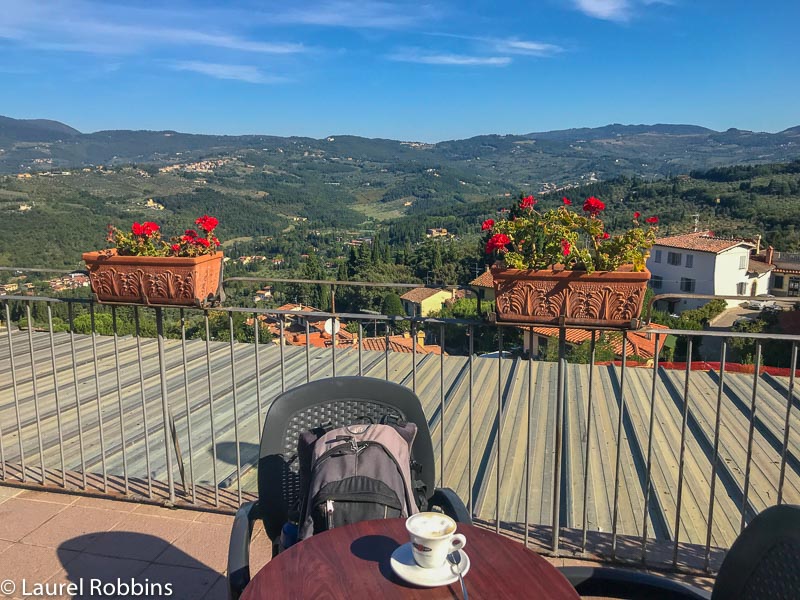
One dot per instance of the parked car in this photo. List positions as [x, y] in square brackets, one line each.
[762, 305]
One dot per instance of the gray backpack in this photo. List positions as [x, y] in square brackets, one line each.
[355, 473]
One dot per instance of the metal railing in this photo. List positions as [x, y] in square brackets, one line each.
[624, 462]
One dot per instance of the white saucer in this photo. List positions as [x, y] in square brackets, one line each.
[403, 565]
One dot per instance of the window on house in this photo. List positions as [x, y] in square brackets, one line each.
[687, 285]
[689, 261]
[777, 281]
[656, 281]
[741, 288]
[674, 258]
[657, 257]
[743, 261]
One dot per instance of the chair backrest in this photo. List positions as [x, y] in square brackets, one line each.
[339, 401]
[764, 561]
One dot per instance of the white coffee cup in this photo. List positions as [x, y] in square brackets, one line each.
[433, 537]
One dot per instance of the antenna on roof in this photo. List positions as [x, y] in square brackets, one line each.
[696, 222]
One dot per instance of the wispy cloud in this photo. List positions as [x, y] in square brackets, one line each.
[616, 10]
[105, 29]
[362, 14]
[510, 45]
[609, 10]
[424, 58]
[246, 73]
[514, 46]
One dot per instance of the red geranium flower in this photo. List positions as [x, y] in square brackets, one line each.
[652, 220]
[202, 242]
[176, 247]
[498, 241]
[527, 202]
[593, 206]
[487, 224]
[566, 201]
[207, 223]
[566, 247]
[637, 214]
[603, 236]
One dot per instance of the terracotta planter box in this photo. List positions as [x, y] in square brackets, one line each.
[544, 296]
[154, 280]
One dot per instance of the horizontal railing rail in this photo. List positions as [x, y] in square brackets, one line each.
[639, 463]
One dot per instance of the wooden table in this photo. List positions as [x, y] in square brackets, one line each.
[353, 562]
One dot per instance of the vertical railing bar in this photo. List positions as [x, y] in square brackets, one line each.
[35, 388]
[77, 392]
[528, 433]
[715, 459]
[413, 357]
[120, 405]
[471, 332]
[100, 427]
[681, 460]
[499, 427]
[308, 352]
[592, 350]
[235, 410]
[360, 349]
[211, 409]
[750, 437]
[165, 412]
[559, 436]
[281, 343]
[649, 466]
[386, 349]
[619, 444]
[334, 333]
[441, 403]
[145, 423]
[16, 393]
[256, 338]
[2, 452]
[190, 445]
[786, 426]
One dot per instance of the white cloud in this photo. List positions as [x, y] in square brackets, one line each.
[450, 59]
[616, 10]
[247, 73]
[609, 10]
[514, 46]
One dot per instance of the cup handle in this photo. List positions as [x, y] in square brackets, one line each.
[457, 542]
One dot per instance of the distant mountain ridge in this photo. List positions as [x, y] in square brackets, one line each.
[558, 156]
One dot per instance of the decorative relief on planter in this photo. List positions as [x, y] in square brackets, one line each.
[544, 296]
[154, 280]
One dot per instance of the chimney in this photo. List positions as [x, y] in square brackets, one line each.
[770, 254]
[487, 269]
[758, 244]
[421, 338]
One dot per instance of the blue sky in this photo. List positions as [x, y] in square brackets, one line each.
[427, 70]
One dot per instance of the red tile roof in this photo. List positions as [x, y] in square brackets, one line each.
[484, 280]
[701, 241]
[639, 344]
[421, 293]
[397, 343]
[298, 307]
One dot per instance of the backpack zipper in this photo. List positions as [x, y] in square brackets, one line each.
[329, 512]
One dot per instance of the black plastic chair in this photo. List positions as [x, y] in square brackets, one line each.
[339, 401]
[763, 562]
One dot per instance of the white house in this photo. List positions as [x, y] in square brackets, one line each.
[699, 263]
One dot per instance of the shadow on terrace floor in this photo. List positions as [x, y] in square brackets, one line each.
[57, 538]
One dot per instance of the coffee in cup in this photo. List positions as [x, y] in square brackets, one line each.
[433, 537]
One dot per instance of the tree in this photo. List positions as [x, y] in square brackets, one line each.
[392, 305]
